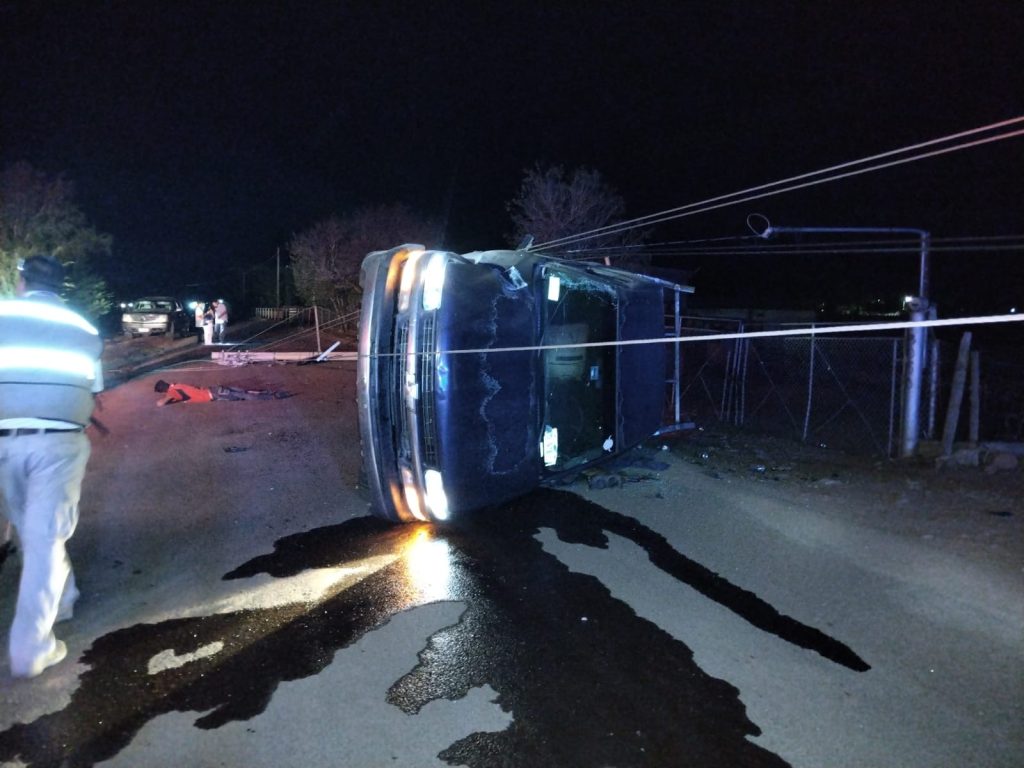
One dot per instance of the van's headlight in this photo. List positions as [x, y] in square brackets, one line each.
[412, 494]
[433, 281]
[437, 501]
[405, 286]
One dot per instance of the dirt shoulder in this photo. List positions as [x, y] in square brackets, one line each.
[965, 509]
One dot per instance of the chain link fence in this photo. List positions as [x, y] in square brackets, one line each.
[843, 391]
[838, 391]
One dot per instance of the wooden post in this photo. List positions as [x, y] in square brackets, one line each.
[956, 394]
[975, 396]
[316, 322]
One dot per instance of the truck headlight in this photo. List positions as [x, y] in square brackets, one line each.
[437, 500]
[412, 494]
[408, 278]
[433, 281]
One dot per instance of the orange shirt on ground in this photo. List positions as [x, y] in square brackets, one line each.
[185, 393]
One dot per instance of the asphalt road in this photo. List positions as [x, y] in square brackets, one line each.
[241, 609]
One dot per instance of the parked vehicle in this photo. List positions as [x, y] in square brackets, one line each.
[155, 315]
[483, 375]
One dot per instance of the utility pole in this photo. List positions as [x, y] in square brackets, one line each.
[917, 337]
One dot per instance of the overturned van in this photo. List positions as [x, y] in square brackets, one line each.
[483, 375]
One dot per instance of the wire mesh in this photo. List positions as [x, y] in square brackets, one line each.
[841, 392]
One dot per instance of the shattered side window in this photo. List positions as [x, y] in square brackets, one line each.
[579, 382]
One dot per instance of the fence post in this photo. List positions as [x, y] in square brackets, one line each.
[743, 383]
[912, 387]
[892, 394]
[975, 396]
[676, 384]
[956, 394]
[933, 387]
[725, 385]
[810, 388]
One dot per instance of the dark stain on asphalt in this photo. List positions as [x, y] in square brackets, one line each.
[589, 682]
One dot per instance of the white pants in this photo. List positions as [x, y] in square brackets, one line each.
[208, 333]
[41, 479]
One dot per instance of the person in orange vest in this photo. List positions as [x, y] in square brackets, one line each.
[186, 393]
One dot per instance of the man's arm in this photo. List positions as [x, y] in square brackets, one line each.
[174, 395]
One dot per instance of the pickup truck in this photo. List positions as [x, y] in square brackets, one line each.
[155, 315]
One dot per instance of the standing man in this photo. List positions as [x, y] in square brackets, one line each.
[208, 325]
[50, 372]
[220, 318]
[199, 311]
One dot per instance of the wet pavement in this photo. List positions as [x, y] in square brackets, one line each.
[246, 611]
[589, 682]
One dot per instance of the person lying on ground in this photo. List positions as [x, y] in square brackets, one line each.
[186, 393]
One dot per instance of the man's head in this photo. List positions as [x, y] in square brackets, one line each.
[41, 273]
[161, 386]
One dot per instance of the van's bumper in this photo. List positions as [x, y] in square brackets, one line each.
[388, 428]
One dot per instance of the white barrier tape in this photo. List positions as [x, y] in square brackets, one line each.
[810, 331]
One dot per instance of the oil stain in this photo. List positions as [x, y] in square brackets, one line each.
[612, 690]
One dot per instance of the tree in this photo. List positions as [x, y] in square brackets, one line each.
[326, 257]
[38, 215]
[551, 205]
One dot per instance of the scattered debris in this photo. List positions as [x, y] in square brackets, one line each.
[1001, 462]
[965, 457]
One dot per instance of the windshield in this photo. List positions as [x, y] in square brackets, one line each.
[579, 394]
[153, 304]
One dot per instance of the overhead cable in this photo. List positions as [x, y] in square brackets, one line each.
[801, 181]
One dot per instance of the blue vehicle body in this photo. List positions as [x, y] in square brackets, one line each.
[483, 375]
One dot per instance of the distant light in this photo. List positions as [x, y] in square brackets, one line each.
[907, 299]
[1013, 310]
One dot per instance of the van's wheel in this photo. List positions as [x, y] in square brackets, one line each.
[171, 331]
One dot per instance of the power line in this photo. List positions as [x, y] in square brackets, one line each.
[805, 180]
[975, 244]
[837, 249]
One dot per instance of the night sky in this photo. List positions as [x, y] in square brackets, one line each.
[203, 135]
